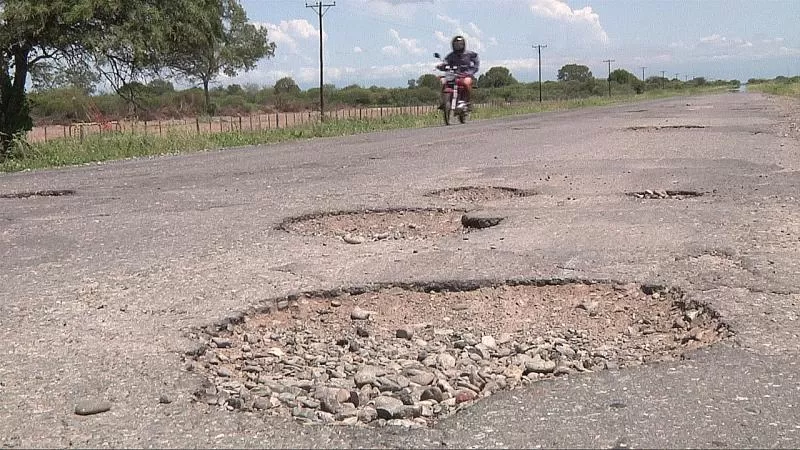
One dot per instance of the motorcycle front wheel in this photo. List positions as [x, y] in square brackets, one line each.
[447, 107]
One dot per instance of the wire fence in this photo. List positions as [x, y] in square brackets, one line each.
[217, 124]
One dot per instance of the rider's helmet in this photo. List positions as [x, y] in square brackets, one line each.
[459, 44]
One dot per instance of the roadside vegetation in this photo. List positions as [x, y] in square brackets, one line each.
[115, 146]
[56, 56]
[786, 86]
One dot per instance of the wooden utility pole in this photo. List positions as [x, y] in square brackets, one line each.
[321, 8]
[609, 61]
[539, 47]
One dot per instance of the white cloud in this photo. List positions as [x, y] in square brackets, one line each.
[558, 10]
[401, 45]
[717, 47]
[716, 40]
[287, 33]
[390, 50]
[476, 40]
[358, 49]
[400, 9]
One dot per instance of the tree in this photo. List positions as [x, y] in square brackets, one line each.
[412, 84]
[574, 72]
[160, 87]
[227, 46]
[496, 77]
[622, 76]
[430, 81]
[123, 40]
[286, 85]
[48, 75]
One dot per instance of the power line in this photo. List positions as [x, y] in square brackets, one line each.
[609, 61]
[539, 47]
[321, 8]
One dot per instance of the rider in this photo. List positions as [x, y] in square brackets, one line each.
[467, 62]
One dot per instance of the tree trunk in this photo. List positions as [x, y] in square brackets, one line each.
[207, 96]
[14, 109]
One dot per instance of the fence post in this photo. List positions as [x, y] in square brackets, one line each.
[381, 111]
[251, 122]
[81, 133]
[160, 131]
[240, 124]
[277, 120]
[197, 124]
[45, 133]
[145, 127]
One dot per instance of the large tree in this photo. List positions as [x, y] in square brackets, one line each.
[574, 72]
[227, 46]
[496, 77]
[122, 39]
[430, 81]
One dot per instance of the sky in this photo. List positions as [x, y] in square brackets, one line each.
[388, 42]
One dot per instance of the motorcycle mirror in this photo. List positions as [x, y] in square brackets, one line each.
[437, 55]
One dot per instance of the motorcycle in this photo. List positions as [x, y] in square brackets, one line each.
[452, 102]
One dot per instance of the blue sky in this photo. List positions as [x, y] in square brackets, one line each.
[387, 42]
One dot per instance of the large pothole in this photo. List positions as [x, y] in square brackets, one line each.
[477, 194]
[44, 193]
[665, 127]
[665, 194]
[356, 227]
[409, 355]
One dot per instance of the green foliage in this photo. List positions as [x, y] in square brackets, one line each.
[429, 81]
[286, 85]
[123, 40]
[223, 41]
[496, 77]
[574, 72]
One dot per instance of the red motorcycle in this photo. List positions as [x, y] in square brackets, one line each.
[452, 87]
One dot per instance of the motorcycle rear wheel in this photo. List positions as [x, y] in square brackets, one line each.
[447, 108]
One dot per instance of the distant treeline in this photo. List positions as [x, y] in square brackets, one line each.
[159, 99]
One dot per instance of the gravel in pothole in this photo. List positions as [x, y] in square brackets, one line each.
[476, 194]
[362, 226]
[665, 194]
[405, 357]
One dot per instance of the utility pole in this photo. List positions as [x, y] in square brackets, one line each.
[609, 61]
[676, 76]
[321, 8]
[643, 72]
[540, 47]
[663, 78]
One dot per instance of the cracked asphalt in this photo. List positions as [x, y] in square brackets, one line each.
[100, 290]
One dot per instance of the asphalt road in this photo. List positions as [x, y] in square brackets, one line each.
[99, 290]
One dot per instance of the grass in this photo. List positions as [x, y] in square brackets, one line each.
[108, 147]
[776, 88]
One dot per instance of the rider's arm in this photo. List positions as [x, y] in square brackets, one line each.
[475, 63]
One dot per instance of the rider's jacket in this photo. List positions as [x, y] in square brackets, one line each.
[467, 62]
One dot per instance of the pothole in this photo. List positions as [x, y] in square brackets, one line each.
[356, 227]
[409, 355]
[45, 193]
[475, 194]
[665, 127]
[665, 194]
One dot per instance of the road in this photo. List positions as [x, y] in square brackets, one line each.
[100, 290]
